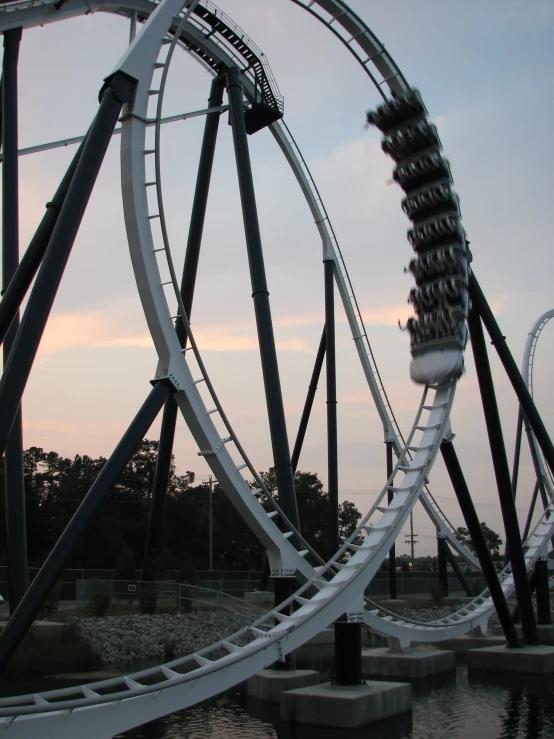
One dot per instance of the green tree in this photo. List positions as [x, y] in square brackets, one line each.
[492, 539]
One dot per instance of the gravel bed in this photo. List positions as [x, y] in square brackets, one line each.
[119, 639]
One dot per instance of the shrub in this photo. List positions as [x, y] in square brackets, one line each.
[99, 597]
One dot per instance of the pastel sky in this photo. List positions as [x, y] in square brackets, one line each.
[485, 72]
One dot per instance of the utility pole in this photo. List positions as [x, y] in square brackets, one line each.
[411, 537]
[211, 528]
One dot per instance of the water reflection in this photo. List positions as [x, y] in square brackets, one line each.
[479, 705]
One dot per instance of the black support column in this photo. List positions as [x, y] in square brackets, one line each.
[16, 529]
[188, 282]
[74, 532]
[30, 262]
[348, 653]
[517, 452]
[392, 551]
[502, 474]
[542, 590]
[332, 440]
[476, 533]
[312, 388]
[117, 91]
[260, 295]
[457, 570]
[443, 571]
[481, 307]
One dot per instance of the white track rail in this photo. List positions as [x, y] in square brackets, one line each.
[527, 371]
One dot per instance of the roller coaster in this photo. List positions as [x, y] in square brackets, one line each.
[447, 301]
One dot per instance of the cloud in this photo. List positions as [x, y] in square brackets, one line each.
[90, 330]
[87, 330]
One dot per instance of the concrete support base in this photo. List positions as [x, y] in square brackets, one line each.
[419, 663]
[258, 596]
[344, 706]
[462, 644]
[268, 685]
[545, 633]
[529, 660]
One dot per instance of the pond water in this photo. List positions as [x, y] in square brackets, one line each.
[480, 706]
[454, 706]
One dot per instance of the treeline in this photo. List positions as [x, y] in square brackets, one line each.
[55, 486]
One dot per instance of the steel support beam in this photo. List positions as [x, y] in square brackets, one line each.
[260, 295]
[117, 91]
[159, 488]
[517, 452]
[284, 587]
[348, 653]
[30, 262]
[443, 571]
[502, 474]
[389, 446]
[312, 388]
[542, 590]
[1, 116]
[188, 282]
[457, 570]
[481, 550]
[16, 529]
[481, 307]
[531, 511]
[332, 433]
[76, 529]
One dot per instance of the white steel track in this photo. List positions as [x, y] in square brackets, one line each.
[545, 472]
[103, 708]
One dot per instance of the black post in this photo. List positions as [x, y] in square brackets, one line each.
[389, 446]
[517, 451]
[116, 92]
[312, 388]
[331, 376]
[502, 474]
[476, 533]
[348, 653]
[76, 529]
[481, 307]
[283, 590]
[16, 529]
[543, 593]
[536, 465]
[188, 281]
[30, 262]
[443, 572]
[159, 488]
[1, 116]
[260, 295]
[457, 570]
[531, 511]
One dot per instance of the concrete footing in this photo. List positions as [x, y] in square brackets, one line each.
[345, 706]
[545, 633]
[268, 685]
[462, 644]
[529, 660]
[416, 664]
